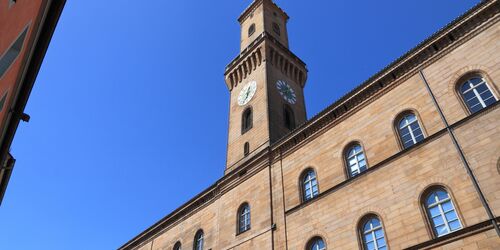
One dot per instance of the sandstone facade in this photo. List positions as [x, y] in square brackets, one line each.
[460, 152]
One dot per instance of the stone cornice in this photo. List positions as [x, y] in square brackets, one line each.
[254, 6]
[251, 49]
[440, 42]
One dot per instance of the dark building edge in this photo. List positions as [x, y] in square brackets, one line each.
[416, 57]
[45, 31]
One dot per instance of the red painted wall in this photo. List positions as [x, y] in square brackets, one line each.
[13, 20]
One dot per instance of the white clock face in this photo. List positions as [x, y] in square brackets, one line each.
[247, 93]
[286, 91]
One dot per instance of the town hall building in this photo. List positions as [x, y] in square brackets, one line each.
[409, 159]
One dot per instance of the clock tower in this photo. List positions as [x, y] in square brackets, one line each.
[266, 82]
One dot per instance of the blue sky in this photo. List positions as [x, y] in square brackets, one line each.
[130, 110]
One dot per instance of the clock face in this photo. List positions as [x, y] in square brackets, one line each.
[286, 91]
[247, 93]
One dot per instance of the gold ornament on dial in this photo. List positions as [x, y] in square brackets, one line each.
[247, 93]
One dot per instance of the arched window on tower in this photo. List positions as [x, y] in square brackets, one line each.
[276, 29]
[289, 117]
[372, 233]
[246, 149]
[246, 120]
[316, 243]
[177, 246]
[309, 185]
[409, 130]
[476, 93]
[355, 160]
[198, 240]
[251, 29]
[440, 211]
[244, 218]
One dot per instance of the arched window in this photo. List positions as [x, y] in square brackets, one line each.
[441, 211]
[355, 160]
[409, 130]
[316, 243]
[276, 29]
[289, 117]
[246, 149]
[477, 94]
[177, 246]
[246, 120]
[198, 240]
[309, 185]
[244, 218]
[372, 233]
[251, 29]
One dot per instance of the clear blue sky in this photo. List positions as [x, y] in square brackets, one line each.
[130, 110]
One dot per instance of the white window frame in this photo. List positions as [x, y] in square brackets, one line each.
[307, 182]
[244, 218]
[199, 240]
[410, 130]
[372, 231]
[473, 88]
[356, 165]
[314, 241]
[442, 213]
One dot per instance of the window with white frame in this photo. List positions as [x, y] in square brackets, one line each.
[309, 185]
[477, 94]
[316, 243]
[441, 212]
[355, 159]
[409, 130]
[373, 234]
[198, 240]
[244, 218]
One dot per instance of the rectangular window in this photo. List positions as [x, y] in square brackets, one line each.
[12, 53]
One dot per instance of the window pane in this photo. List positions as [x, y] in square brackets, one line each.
[469, 95]
[361, 157]
[438, 221]
[490, 100]
[475, 80]
[352, 162]
[363, 168]
[442, 195]
[370, 246]
[375, 222]
[465, 87]
[481, 88]
[447, 206]
[408, 144]
[368, 237]
[455, 225]
[450, 216]
[431, 199]
[441, 230]
[381, 242]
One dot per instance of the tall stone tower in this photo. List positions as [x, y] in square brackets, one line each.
[266, 81]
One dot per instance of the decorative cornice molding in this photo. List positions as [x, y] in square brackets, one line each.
[254, 6]
[234, 70]
[452, 35]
